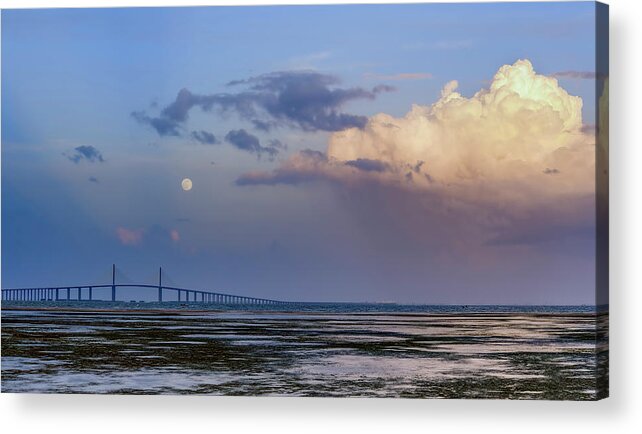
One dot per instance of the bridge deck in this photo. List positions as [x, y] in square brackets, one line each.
[63, 293]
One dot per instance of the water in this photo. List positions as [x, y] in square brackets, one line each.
[519, 352]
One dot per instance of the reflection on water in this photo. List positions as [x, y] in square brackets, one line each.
[522, 355]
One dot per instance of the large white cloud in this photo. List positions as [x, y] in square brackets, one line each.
[521, 126]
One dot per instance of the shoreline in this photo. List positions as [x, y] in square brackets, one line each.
[191, 312]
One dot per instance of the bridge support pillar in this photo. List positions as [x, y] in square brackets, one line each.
[91, 295]
[57, 294]
[79, 293]
[113, 282]
[160, 284]
[68, 294]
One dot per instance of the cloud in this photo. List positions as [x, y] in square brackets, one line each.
[583, 75]
[245, 141]
[93, 179]
[402, 76]
[129, 237]
[307, 100]
[304, 166]
[164, 126]
[174, 235]
[277, 144]
[482, 156]
[204, 137]
[368, 165]
[85, 153]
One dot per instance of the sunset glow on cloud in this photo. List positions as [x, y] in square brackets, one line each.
[129, 237]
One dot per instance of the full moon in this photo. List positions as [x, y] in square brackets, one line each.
[186, 184]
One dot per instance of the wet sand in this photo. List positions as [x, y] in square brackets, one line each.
[412, 355]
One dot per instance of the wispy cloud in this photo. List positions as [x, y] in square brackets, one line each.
[85, 153]
[580, 75]
[204, 137]
[129, 237]
[368, 165]
[247, 142]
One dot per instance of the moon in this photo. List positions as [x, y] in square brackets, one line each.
[186, 184]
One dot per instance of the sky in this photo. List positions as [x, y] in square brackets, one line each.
[436, 153]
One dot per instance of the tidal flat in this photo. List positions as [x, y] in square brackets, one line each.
[496, 355]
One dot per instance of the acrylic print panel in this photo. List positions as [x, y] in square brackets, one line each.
[348, 200]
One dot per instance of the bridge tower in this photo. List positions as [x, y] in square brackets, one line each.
[113, 282]
[160, 284]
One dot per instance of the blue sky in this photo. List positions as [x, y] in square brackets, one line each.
[73, 77]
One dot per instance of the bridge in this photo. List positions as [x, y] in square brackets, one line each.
[64, 293]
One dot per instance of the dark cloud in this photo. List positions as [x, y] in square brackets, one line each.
[204, 137]
[316, 156]
[549, 171]
[307, 100]
[162, 125]
[245, 141]
[86, 153]
[368, 165]
[277, 144]
[93, 179]
[383, 88]
[262, 125]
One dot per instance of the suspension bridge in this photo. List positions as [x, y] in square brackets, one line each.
[88, 293]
